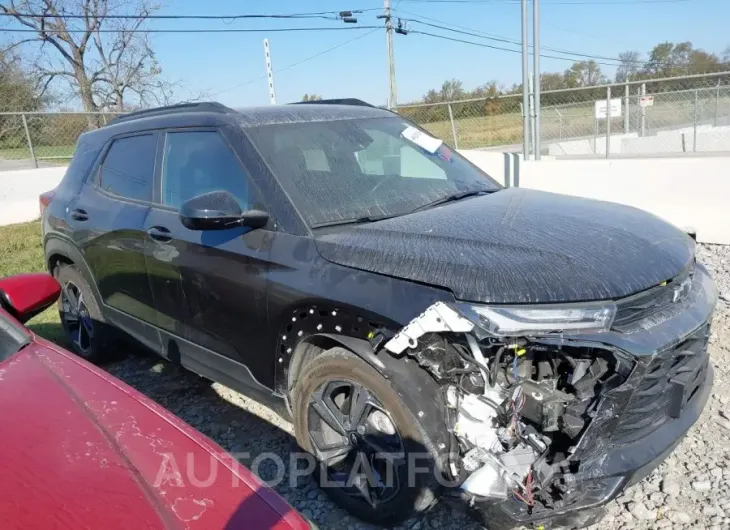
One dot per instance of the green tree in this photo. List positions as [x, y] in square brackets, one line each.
[551, 81]
[584, 73]
[701, 62]
[18, 91]
[452, 90]
[311, 97]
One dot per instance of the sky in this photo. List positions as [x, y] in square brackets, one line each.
[230, 67]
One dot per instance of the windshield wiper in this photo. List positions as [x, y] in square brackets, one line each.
[451, 198]
[374, 218]
[357, 220]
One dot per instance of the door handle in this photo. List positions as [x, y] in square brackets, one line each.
[80, 215]
[159, 233]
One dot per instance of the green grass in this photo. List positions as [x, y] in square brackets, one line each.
[22, 153]
[22, 251]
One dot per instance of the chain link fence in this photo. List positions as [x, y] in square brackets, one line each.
[662, 116]
[45, 138]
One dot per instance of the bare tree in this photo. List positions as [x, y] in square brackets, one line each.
[106, 61]
[630, 66]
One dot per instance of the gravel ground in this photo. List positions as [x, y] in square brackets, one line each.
[690, 490]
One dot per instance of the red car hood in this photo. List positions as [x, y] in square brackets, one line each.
[80, 449]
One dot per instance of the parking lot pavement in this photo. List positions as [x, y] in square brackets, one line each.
[10, 165]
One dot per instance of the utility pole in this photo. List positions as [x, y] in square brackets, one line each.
[392, 93]
[269, 72]
[536, 67]
[525, 87]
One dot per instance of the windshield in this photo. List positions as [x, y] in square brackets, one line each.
[12, 337]
[340, 171]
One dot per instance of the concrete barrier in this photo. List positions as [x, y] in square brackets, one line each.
[20, 189]
[690, 192]
[693, 193]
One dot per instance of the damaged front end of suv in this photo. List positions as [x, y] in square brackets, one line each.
[553, 410]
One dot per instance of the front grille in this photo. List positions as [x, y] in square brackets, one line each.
[671, 379]
[642, 306]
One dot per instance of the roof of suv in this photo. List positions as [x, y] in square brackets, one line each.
[306, 112]
[263, 115]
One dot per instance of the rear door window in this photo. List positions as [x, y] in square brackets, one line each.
[129, 167]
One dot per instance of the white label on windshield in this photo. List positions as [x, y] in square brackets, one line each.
[421, 139]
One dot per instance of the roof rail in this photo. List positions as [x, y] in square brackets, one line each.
[205, 106]
[341, 101]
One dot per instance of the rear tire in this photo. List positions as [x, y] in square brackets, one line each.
[416, 480]
[86, 331]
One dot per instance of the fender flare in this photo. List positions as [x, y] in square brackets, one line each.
[58, 246]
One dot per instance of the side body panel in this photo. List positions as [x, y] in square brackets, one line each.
[306, 291]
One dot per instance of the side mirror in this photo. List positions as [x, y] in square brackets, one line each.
[218, 210]
[26, 295]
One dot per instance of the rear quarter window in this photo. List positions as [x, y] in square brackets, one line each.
[129, 166]
[83, 160]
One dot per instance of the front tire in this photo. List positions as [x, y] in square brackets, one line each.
[374, 457]
[86, 331]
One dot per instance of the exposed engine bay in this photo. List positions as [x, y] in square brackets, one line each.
[516, 407]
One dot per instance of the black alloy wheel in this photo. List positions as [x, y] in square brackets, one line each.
[76, 319]
[373, 455]
[86, 331]
[355, 441]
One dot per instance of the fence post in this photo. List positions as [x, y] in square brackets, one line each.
[717, 103]
[627, 125]
[30, 142]
[453, 127]
[531, 101]
[103, 117]
[694, 128]
[560, 124]
[608, 121]
[643, 111]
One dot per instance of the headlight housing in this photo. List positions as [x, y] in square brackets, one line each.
[541, 320]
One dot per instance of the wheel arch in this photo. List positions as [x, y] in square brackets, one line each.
[414, 386]
[58, 251]
[310, 328]
[312, 345]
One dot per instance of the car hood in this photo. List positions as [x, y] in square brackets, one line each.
[519, 246]
[83, 450]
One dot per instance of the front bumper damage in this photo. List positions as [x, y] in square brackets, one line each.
[544, 441]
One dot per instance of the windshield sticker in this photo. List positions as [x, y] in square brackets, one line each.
[421, 139]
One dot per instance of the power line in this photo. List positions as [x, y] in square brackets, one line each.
[193, 30]
[495, 38]
[497, 47]
[335, 15]
[298, 62]
[501, 38]
[579, 2]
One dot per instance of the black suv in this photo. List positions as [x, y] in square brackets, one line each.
[429, 333]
